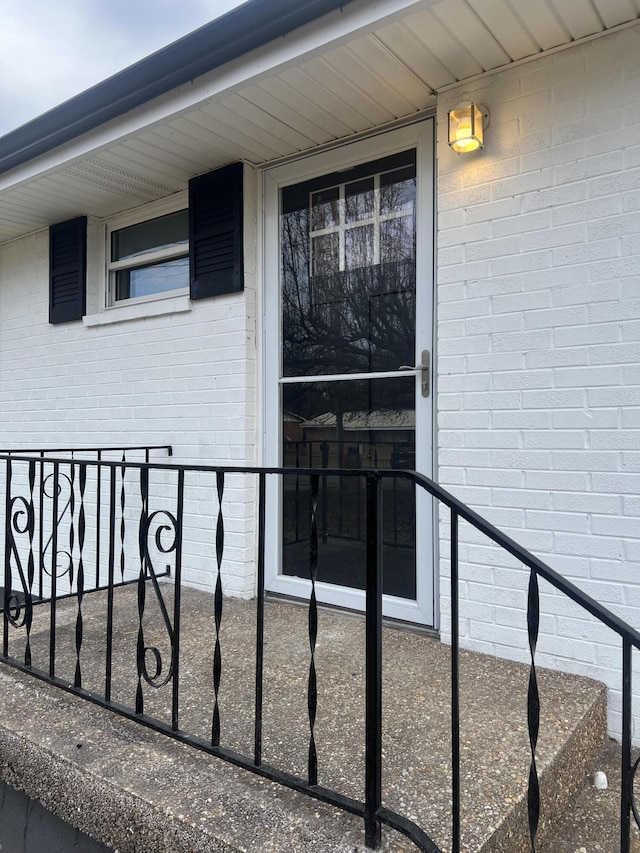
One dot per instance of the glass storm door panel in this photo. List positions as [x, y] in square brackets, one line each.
[349, 394]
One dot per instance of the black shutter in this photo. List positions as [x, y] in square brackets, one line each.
[215, 232]
[67, 270]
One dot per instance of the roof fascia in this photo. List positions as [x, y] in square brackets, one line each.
[240, 31]
[335, 28]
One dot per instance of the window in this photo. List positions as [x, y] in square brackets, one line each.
[149, 257]
[190, 245]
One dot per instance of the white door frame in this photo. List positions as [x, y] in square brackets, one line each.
[420, 137]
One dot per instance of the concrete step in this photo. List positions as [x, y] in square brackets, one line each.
[591, 821]
[137, 790]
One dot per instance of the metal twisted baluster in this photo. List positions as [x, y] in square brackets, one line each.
[627, 799]
[533, 708]
[312, 692]
[217, 654]
[72, 530]
[122, 522]
[31, 568]
[80, 581]
[142, 586]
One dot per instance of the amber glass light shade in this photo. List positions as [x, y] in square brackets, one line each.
[466, 128]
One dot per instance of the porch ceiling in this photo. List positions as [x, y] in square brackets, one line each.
[337, 84]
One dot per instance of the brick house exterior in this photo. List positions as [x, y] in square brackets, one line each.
[536, 311]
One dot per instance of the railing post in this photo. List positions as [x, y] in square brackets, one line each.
[373, 713]
[257, 752]
[110, 584]
[626, 792]
[54, 570]
[7, 560]
[177, 598]
[455, 687]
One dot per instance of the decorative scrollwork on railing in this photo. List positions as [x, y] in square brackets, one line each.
[18, 605]
[159, 528]
[62, 561]
[633, 803]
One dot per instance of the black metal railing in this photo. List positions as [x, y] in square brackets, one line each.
[341, 514]
[54, 513]
[147, 506]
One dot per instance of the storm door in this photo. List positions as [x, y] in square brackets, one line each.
[352, 284]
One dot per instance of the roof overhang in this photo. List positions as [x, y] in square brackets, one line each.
[271, 79]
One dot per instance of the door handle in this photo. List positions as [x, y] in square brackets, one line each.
[425, 368]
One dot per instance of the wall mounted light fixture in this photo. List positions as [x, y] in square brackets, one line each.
[466, 127]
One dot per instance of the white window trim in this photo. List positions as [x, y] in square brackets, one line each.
[154, 210]
[174, 302]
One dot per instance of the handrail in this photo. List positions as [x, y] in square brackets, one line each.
[124, 511]
[24, 450]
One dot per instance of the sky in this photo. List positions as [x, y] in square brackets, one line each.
[51, 50]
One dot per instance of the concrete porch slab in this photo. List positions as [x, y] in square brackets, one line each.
[138, 791]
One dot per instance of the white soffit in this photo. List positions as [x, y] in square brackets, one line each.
[391, 71]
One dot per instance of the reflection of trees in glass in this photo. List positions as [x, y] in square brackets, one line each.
[356, 311]
[314, 400]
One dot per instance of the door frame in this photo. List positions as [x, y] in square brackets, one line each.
[421, 137]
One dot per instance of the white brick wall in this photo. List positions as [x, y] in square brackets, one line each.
[185, 379]
[538, 303]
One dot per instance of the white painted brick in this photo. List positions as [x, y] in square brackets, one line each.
[519, 302]
[522, 223]
[552, 196]
[464, 420]
[462, 382]
[493, 323]
[554, 439]
[553, 278]
[492, 438]
[631, 331]
[575, 336]
[616, 483]
[493, 400]
[605, 312]
[521, 498]
[567, 235]
[565, 398]
[631, 418]
[515, 380]
[524, 420]
[525, 262]
[567, 522]
[620, 439]
[615, 353]
[456, 273]
[470, 233]
[464, 309]
[606, 397]
[511, 342]
[556, 357]
[587, 211]
[587, 461]
[495, 286]
[557, 481]
[489, 477]
[586, 253]
[588, 376]
[572, 316]
[622, 269]
[483, 363]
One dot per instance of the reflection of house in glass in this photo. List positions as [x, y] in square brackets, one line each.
[362, 439]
